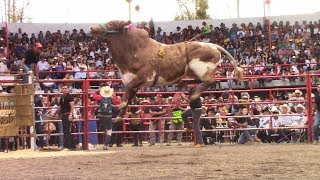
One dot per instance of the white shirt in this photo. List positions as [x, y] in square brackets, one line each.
[80, 75]
[98, 63]
[313, 63]
[264, 122]
[48, 84]
[285, 120]
[298, 120]
[43, 66]
[3, 67]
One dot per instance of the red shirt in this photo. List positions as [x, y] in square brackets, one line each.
[97, 97]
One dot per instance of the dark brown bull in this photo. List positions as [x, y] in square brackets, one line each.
[143, 61]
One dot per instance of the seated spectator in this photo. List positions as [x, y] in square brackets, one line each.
[43, 67]
[48, 84]
[207, 123]
[246, 122]
[3, 66]
[80, 75]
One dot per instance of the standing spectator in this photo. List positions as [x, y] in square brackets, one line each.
[136, 124]
[66, 111]
[176, 124]
[38, 126]
[157, 111]
[117, 126]
[316, 113]
[104, 113]
[29, 62]
[229, 76]
[195, 112]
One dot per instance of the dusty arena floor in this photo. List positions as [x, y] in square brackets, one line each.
[265, 161]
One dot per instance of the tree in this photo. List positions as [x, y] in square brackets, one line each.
[16, 11]
[199, 9]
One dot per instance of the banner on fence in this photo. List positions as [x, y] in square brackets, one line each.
[8, 123]
[16, 110]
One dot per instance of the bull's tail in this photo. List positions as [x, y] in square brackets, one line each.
[238, 70]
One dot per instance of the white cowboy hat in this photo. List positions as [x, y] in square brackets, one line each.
[298, 92]
[106, 91]
[274, 109]
[300, 106]
[285, 106]
[145, 101]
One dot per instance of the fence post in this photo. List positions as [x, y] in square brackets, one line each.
[309, 106]
[85, 113]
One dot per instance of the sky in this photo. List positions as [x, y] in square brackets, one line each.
[96, 11]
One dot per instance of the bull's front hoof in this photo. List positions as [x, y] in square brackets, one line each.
[118, 119]
[123, 104]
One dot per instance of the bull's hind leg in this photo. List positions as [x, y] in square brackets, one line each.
[203, 71]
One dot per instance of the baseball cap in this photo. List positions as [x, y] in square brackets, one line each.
[38, 45]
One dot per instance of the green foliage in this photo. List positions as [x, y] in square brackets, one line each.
[199, 9]
[16, 11]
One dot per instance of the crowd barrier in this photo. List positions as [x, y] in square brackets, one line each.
[86, 107]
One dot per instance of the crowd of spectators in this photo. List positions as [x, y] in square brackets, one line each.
[294, 50]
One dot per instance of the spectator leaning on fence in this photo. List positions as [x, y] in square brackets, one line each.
[30, 62]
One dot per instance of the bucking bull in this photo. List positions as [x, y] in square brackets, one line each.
[144, 62]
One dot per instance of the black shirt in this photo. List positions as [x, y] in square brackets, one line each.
[317, 100]
[157, 109]
[31, 57]
[207, 123]
[65, 103]
[37, 103]
[195, 103]
[245, 119]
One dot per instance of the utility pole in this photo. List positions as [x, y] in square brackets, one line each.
[238, 8]
[129, 3]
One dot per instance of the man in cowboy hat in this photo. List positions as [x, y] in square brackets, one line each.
[284, 118]
[104, 113]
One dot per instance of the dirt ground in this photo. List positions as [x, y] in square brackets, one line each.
[262, 161]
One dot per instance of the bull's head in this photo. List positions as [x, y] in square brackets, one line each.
[116, 26]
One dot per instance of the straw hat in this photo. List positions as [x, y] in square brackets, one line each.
[285, 106]
[145, 101]
[298, 92]
[106, 91]
[274, 109]
[299, 106]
